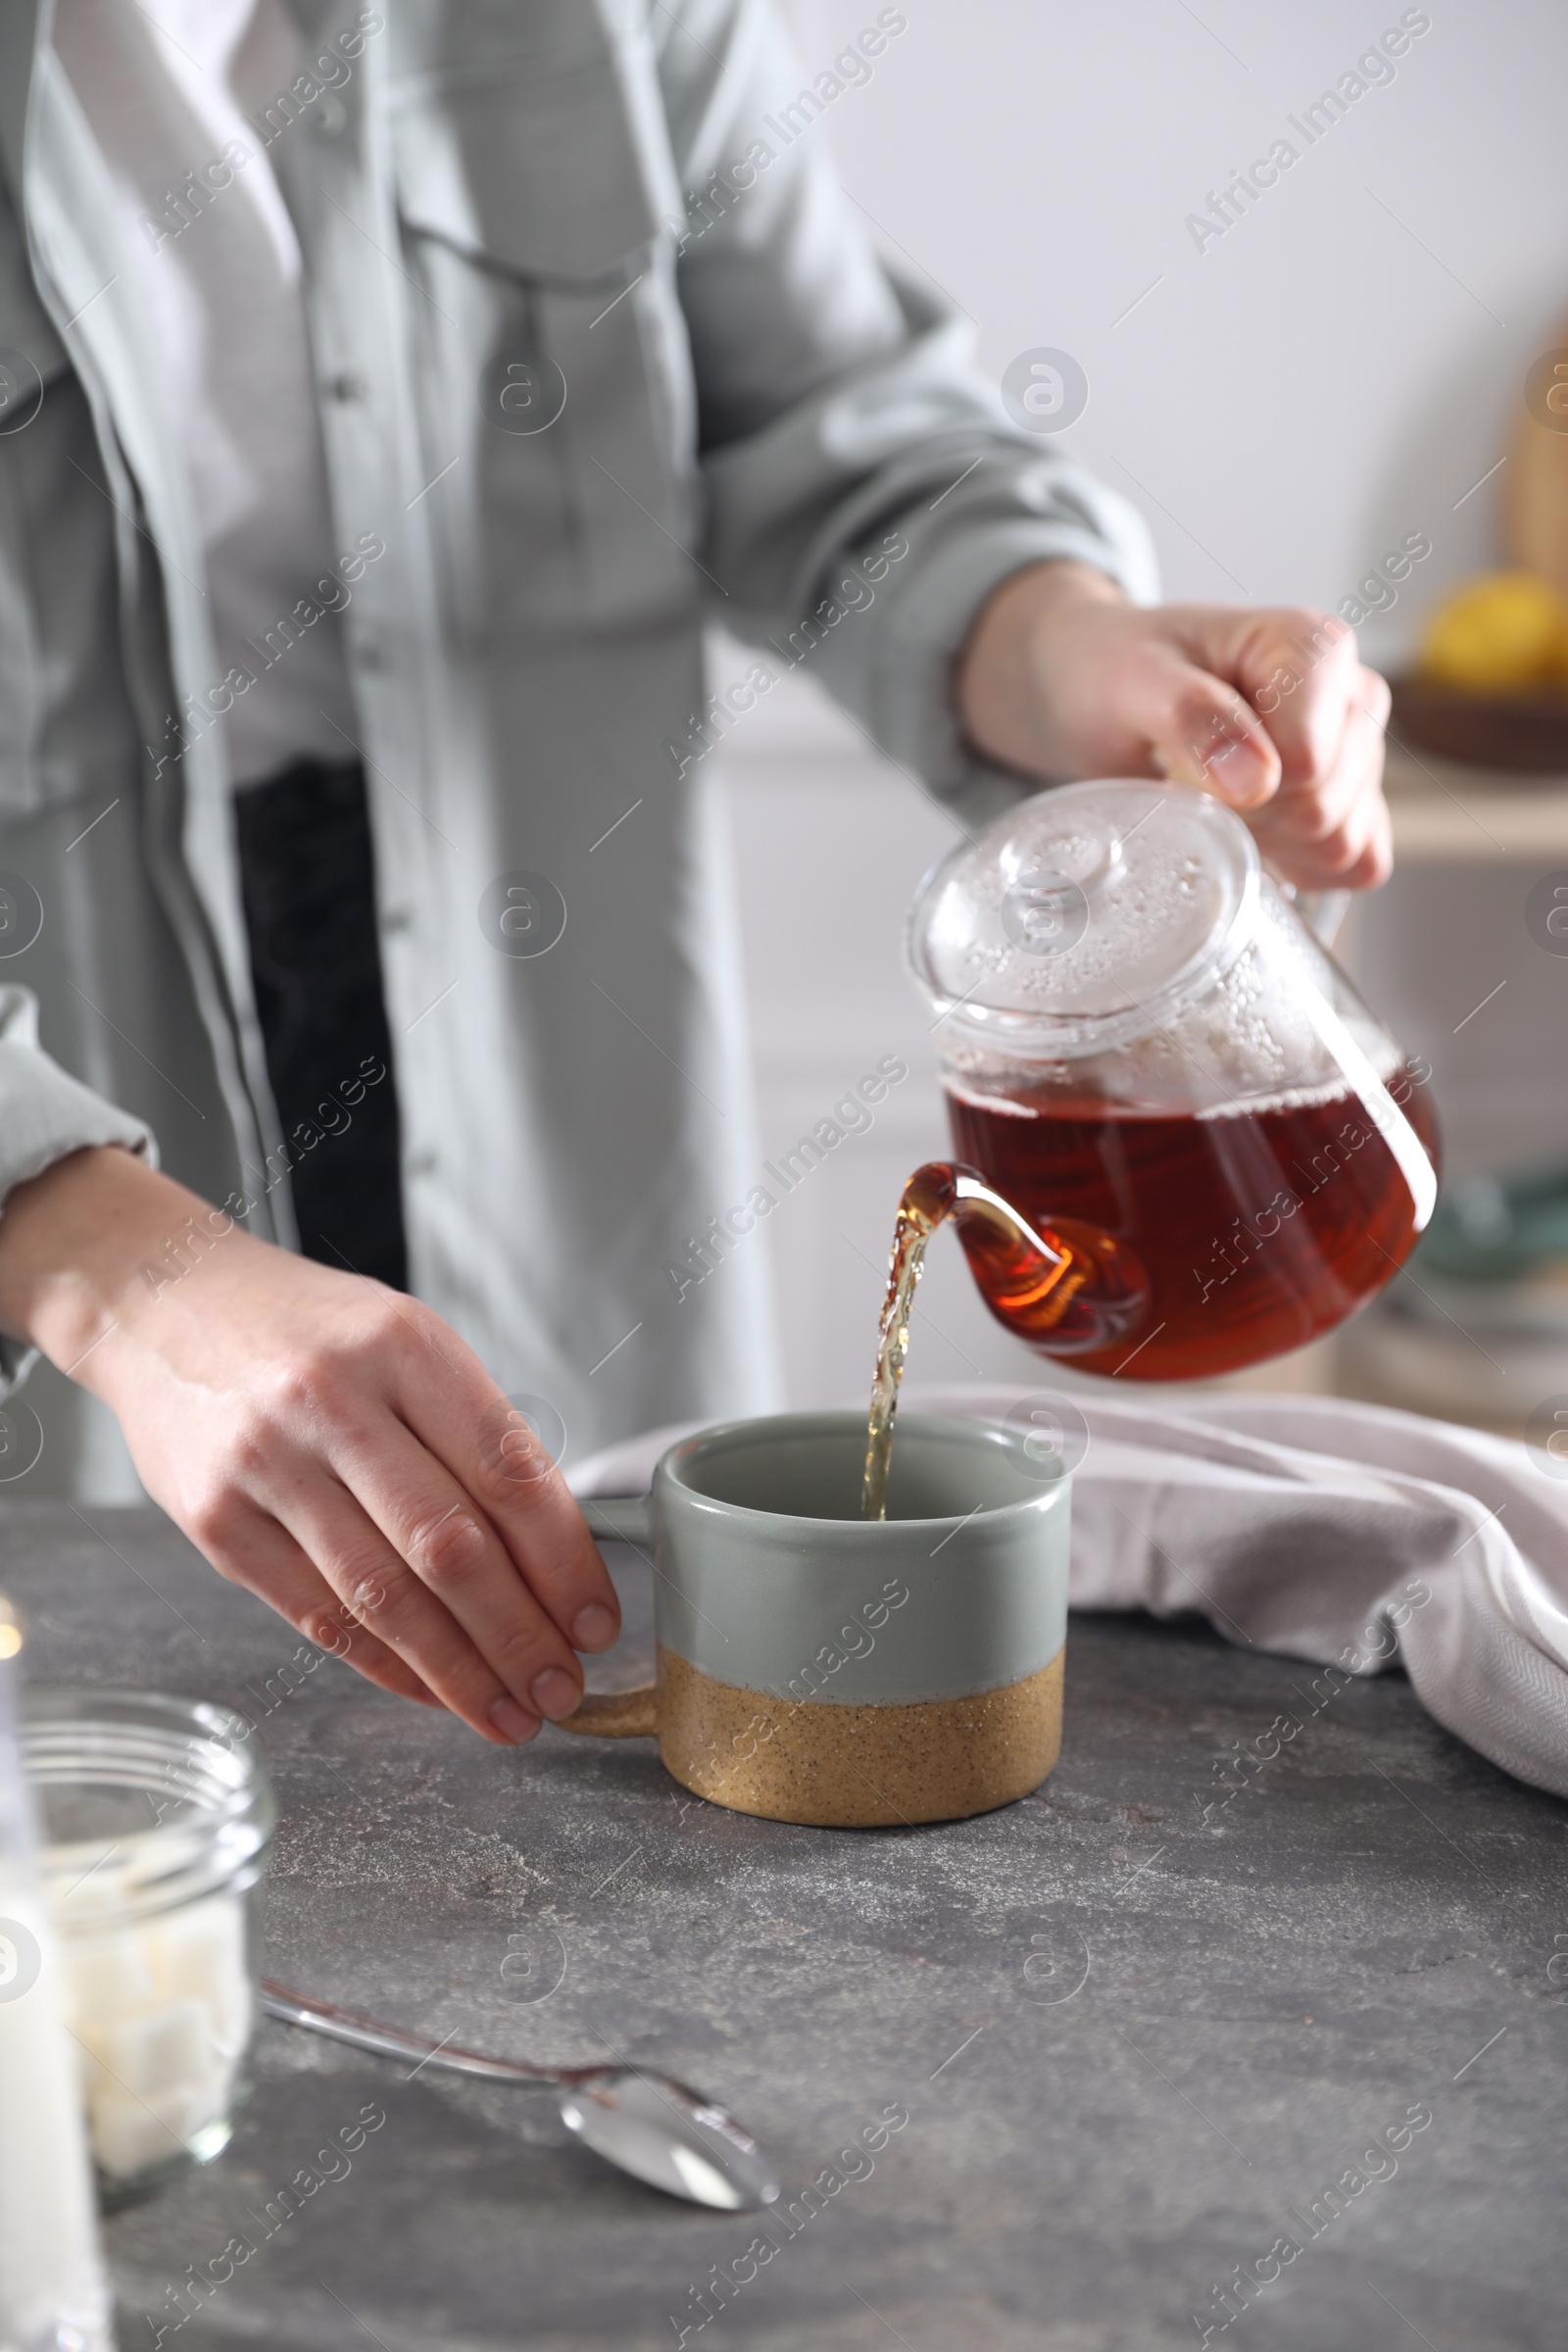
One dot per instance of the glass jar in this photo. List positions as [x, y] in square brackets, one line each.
[156, 1815]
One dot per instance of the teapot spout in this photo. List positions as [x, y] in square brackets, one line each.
[1064, 1287]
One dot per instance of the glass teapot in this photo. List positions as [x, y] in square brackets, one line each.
[1149, 1056]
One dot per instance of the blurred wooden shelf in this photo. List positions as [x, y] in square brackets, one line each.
[1445, 813]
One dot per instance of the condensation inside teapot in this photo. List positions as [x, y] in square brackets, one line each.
[1121, 935]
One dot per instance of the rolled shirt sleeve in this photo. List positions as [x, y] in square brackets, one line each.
[865, 489]
[44, 1114]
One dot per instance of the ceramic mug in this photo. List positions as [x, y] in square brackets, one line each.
[819, 1668]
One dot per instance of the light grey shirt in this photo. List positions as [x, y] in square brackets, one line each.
[163, 86]
[617, 222]
[47, 1112]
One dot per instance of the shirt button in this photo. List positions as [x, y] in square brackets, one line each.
[395, 920]
[328, 115]
[421, 1163]
[349, 387]
[371, 653]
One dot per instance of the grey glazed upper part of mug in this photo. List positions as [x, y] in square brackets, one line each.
[767, 1575]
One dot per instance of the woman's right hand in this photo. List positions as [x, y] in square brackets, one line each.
[328, 1444]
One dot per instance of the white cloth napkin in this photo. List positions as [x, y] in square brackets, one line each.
[1343, 1532]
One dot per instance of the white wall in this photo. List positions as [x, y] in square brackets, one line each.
[1284, 405]
[1320, 379]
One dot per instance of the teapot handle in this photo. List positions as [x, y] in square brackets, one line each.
[1323, 911]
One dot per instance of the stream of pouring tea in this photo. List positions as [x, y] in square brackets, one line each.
[921, 1209]
[1066, 1287]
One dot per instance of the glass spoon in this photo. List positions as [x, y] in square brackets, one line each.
[652, 2127]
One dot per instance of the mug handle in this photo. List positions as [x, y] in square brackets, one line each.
[617, 1714]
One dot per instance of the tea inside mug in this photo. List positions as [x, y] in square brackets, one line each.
[817, 1474]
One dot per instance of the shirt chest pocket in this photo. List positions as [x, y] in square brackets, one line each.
[551, 363]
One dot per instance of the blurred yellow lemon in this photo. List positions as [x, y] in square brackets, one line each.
[1499, 635]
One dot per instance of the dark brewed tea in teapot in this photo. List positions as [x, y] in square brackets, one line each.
[1256, 1229]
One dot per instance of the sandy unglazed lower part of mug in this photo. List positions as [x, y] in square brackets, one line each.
[837, 1766]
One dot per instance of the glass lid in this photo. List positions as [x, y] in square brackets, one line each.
[1085, 916]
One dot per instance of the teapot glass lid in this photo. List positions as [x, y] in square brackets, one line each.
[1085, 916]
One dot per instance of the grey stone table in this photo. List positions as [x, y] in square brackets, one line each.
[1144, 2034]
